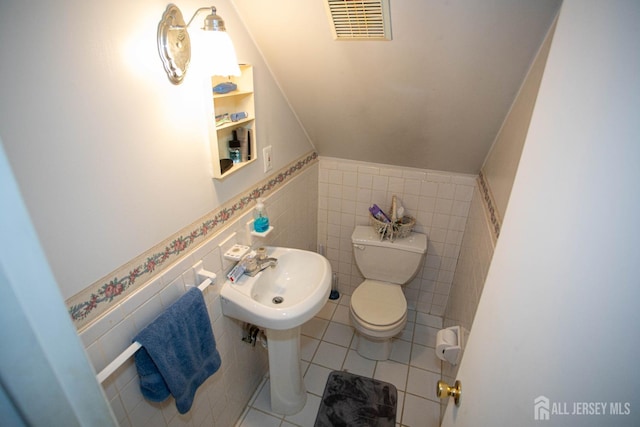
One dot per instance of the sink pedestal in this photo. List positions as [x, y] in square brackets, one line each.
[281, 300]
[288, 393]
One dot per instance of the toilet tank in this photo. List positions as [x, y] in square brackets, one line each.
[394, 262]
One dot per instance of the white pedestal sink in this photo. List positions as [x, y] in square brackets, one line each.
[280, 299]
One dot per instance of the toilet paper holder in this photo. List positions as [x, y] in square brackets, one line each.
[450, 343]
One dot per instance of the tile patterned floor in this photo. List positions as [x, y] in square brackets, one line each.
[328, 343]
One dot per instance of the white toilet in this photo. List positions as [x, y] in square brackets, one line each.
[378, 307]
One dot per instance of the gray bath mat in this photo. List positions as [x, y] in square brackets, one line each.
[352, 400]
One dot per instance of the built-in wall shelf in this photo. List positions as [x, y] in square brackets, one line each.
[237, 101]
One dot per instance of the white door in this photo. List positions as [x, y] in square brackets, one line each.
[45, 377]
[556, 337]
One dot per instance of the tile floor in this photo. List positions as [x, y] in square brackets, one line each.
[328, 343]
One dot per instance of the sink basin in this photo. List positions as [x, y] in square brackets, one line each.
[280, 297]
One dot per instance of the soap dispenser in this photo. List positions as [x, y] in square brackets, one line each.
[260, 217]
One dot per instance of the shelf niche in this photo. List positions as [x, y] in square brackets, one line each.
[236, 101]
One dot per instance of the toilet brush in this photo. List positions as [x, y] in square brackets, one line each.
[334, 287]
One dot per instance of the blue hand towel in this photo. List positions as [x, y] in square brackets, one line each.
[178, 352]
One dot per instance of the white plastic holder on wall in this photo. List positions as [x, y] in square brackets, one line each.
[258, 233]
[236, 252]
[450, 343]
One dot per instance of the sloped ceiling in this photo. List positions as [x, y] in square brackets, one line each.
[434, 97]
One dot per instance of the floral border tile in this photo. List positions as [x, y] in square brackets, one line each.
[102, 295]
[489, 204]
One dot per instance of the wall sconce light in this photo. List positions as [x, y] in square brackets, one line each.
[174, 44]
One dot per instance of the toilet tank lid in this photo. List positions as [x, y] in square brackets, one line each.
[366, 235]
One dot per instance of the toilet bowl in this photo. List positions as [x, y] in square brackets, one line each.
[378, 307]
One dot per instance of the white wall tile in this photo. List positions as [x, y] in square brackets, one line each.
[295, 208]
[475, 253]
[172, 292]
[365, 180]
[438, 177]
[144, 294]
[142, 413]
[446, 190]
[349, 193]
[460, 208]
[334, 204]
[380, 182]
[335, 177]
[368, 170]
[147, 312]
[428, 189]
[364, 195]
[131, 395]
[349, 179]
[118, 409]
[443, 206]
[464, 193]
[411, 186]
[396, 185]
[328, 164]
[390, 171]
[467, 180]
[118, 338]
[335, 190]
[441, 221]
[414, 174]
[347, 167]
[96, 356]
[126, 373]
[98, 328]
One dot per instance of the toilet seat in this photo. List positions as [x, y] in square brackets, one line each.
[379, 306]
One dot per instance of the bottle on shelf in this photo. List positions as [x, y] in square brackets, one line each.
[260, 217]
[234, 149]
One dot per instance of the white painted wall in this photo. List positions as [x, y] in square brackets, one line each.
[434, 97]
[559, 310]
[501, 163]
[499, 171]
[111, 158]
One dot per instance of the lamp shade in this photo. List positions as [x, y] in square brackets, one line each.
[214, 54]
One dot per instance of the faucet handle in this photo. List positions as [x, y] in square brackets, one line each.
[261, 253]
[250, 262]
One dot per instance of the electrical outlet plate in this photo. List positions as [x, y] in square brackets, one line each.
[266, 156]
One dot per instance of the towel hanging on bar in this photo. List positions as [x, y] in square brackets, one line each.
[130, 351]
[178, 352]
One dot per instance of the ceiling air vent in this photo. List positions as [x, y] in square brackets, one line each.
[359, 19]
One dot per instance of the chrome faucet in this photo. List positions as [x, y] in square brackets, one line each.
[254, 264]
